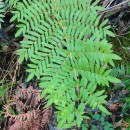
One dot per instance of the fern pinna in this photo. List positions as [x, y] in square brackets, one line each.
[66, 49]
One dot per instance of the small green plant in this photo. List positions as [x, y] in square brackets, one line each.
[66, 49]
[126, 105]
[101, 122]
[122, 71]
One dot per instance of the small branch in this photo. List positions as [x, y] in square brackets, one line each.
[116, 8]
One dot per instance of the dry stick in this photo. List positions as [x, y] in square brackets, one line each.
[113, 9]
[107, 3]
[116, 8]
[15, 71]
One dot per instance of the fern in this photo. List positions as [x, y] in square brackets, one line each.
[121, 70]
[66, 49]
[100, 120]
[2, 10]
[126, 100]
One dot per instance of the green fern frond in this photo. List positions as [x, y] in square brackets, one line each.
[66, 49]
[2, 10]
[121, 70]
[126, 105]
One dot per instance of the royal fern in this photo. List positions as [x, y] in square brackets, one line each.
[66, 49]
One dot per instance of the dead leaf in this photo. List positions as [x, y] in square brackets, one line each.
[113, 107]
[117, 124]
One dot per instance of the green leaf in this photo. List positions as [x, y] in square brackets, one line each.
[109, 33]
[19, 32]
[96, 116]
[113, 79]
[13, 18]
[61, 123]
[79, 119]
[103, 109]
[49, 103]
[30, 77]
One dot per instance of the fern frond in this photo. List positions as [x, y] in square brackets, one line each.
[121, 70]
[66, 106]
[2, 10]
[66, 49]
